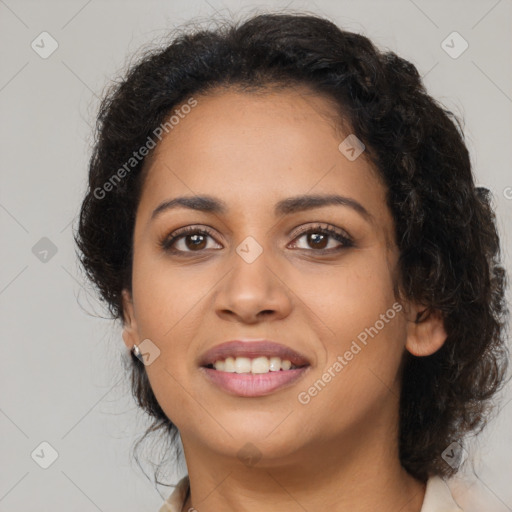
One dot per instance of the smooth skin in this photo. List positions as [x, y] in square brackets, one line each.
[339, 452]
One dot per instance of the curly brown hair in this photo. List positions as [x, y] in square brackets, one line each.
[445, 225]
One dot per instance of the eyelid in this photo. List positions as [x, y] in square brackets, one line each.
[321, 226]
[340, 235]
[332, 231]
[171, 238]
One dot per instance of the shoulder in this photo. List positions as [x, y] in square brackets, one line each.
[175, 501]
[438, 497]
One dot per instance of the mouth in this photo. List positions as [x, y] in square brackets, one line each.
[258, 365]
[252, 368]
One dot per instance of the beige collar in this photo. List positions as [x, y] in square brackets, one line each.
[438, 497]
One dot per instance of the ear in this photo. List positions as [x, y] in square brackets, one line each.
[425, 330]
[130, 331]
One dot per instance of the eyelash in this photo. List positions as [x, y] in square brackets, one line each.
[167, 243]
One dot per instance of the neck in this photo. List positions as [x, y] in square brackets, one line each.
[354, 477]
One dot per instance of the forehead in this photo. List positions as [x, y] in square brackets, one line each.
[229, 122]
[254, 149]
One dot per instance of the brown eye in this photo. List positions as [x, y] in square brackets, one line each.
[322, 239]
[197, 241]
[187, 240]
[317, 240]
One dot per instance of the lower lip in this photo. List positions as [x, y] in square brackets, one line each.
[251, 385]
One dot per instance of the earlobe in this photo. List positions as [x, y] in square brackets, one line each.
[426, 333]
[130, 332]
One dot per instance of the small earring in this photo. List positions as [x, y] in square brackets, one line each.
[136, 352]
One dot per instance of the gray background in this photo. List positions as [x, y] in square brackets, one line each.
[61, 375]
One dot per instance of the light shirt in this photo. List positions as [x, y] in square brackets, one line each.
[438, 497]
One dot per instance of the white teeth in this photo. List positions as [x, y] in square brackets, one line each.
[286, 365]
[275, 364]
[260, 364]
[220, 365]
[242, 365]
[229, 365]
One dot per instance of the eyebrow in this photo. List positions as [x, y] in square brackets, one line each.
[286, 206]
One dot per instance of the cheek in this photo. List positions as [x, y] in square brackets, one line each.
[167, 301]
[166, 304]
[364, 319]
[166, 295]
[349, 298]
[359, 375]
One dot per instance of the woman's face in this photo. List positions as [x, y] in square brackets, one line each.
[258, 274]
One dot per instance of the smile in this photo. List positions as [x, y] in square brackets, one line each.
[252, 368]
[257, 365]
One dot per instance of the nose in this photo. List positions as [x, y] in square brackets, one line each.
[253, 292]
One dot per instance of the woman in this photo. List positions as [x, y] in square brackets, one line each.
[308, 279]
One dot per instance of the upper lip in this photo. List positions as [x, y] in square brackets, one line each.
[252, 349]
